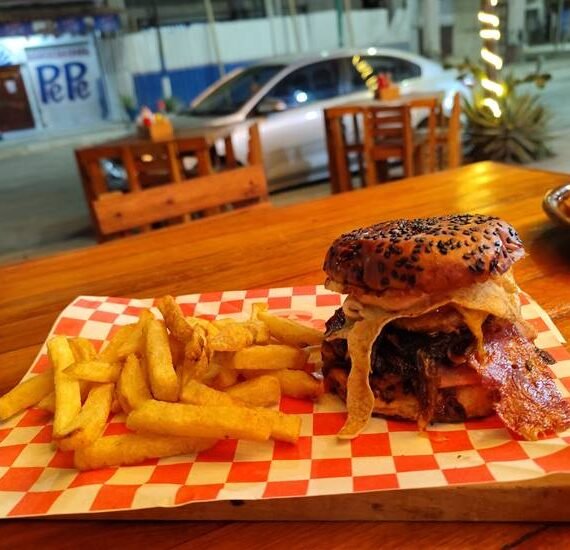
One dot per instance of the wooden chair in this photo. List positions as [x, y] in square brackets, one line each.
[340, 148]
[449, 135]
[118, 214]
[425, 141]
[387, 134]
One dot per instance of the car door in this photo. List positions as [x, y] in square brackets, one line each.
[293, 139]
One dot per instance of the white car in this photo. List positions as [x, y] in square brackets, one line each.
[286, 96]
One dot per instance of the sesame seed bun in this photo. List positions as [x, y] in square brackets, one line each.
[422, 255]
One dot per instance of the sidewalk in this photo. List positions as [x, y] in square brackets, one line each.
[35, 141]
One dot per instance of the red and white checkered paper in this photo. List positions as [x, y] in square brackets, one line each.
[37, 480]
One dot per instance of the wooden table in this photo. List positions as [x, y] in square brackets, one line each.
[276, 247]
[337, 146]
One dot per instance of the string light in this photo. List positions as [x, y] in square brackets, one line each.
[491, 20]
[488, 18]
[492, 59]
[493, 106]
[366, 72]
[493, 87]
[490, 34]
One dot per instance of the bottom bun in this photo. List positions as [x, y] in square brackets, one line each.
[454, 404]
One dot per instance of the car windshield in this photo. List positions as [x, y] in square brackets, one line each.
[235, 93]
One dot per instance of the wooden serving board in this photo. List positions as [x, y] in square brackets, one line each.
[537, 500]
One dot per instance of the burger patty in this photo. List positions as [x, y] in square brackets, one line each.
[405, 366]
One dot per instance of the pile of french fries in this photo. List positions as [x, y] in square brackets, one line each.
[182, 382]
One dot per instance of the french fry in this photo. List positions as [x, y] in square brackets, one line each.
[263, 391]
[196, 393]
[132, 386]
[294, 383]
[161, 373]
[290, 332]
[256, 309]
[259, 330]
[110, 351]
[174, 319]
[67, 391]
[232, 336]
[227, 376]
[47, 403]
[270, 357]
[133, 343]
[200, 421]
[89, 424]
[195, 346]
[176, 350]
[26, 394]
[209, 327]
[126, 449]
[94, 371]
[196, 364]
[82, 349]
[285, 427]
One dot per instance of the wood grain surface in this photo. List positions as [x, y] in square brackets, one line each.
[282, 247]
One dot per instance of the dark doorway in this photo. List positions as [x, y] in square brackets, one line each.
[15, 112]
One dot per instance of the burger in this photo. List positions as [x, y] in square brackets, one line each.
[431, 327]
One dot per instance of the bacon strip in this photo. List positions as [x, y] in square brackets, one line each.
[529, 402]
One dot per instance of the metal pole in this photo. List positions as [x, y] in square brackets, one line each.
[339, 29]
[349, 27]
[293, 13]
[559, 23]
[271, 15]
[165, 83]
[214, 36]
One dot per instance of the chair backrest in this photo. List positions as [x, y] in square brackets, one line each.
[389, 123]
[117, 213]
[454, 145]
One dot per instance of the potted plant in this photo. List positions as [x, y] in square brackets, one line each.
[130, 106]
[515, 132]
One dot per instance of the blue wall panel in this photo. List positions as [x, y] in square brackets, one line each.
[186, 83]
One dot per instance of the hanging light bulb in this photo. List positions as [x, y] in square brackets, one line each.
[492, 86]
[488, 18]
[492, 58]
[494, 2]
[490, 34]
[493, 106]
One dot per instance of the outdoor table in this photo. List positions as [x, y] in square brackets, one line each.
[337, 146]
[285, 246]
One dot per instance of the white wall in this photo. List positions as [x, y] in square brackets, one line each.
[246, 40]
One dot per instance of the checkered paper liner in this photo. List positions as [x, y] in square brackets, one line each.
[36, 479]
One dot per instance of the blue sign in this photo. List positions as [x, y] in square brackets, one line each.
[71, 25]
[17, 28]
[107, 23]
[56, 86]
